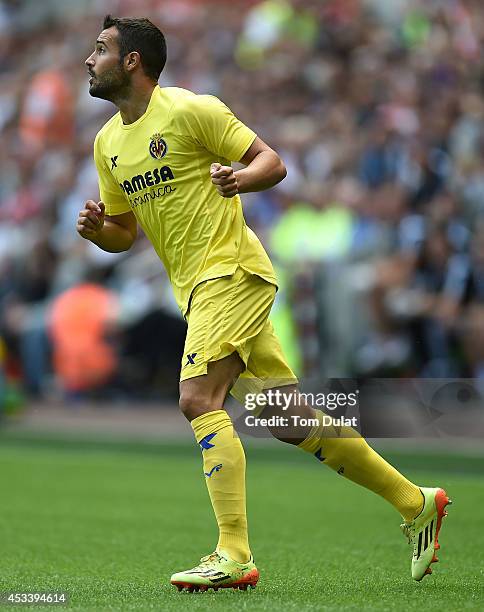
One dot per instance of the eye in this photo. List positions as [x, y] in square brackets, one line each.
[100, 50]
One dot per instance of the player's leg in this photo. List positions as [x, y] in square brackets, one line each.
[346, 452]
[342, 448]
[202, 402]
[225, 316]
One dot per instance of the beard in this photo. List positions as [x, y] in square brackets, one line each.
[110, 85]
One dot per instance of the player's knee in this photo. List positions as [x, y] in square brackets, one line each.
[282, 435]
[194, 405]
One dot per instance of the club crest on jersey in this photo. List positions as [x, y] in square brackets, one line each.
[158, 146]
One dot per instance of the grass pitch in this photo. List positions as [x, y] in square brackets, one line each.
[110, 526]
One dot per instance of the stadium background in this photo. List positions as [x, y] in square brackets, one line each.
[377, 233]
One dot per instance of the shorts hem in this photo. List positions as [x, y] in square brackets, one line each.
[202, 368]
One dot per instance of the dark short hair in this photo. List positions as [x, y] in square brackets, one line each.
[142, 36]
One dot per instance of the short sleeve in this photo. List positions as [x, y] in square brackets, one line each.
[110, 192]
[212, 124]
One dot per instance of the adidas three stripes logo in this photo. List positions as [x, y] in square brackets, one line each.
[425, 538]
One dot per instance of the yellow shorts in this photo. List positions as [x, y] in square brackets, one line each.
[230, 314]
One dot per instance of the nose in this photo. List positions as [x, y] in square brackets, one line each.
[90, 61]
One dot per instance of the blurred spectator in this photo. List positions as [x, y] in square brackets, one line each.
[82, 324]
[47, 118]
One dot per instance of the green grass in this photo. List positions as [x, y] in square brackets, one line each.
[109, 527]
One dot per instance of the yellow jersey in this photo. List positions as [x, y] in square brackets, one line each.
[159, 168]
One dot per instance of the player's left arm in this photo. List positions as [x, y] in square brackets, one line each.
[263, 169]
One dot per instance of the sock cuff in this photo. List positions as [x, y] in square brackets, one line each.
[210, 422]
[313, 440]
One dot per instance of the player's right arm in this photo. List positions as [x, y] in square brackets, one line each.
[111, 226]
[114, 234]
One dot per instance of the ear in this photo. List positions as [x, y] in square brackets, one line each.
[132, 60]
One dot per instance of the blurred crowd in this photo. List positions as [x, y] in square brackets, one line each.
[377, 232]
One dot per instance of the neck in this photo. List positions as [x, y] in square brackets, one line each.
[134, 103]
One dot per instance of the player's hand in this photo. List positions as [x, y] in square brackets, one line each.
[91, 219]
[224, 179]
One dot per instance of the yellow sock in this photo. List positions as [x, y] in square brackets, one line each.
[224, 468]
[346, 452]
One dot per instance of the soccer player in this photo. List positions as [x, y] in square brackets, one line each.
[164, 162]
